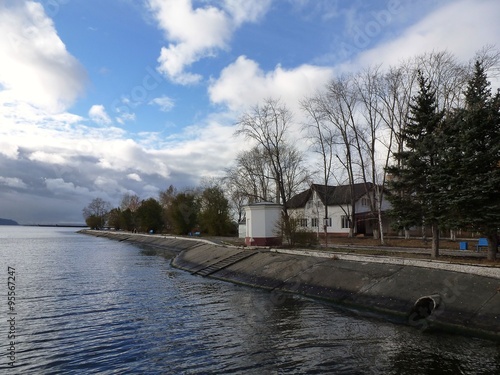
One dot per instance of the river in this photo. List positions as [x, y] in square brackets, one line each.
[87, 305]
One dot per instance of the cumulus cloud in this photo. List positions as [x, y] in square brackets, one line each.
[244, 83]
[164, 102]
[12, 182]
[35, 66]
[134, 177]
[198, 33]
[98, 114]
[461, 27]
[9, 150]
[60, 187]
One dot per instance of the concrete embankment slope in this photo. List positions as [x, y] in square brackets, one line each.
[462, 299]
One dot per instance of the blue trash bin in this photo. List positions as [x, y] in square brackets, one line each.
[464, 245]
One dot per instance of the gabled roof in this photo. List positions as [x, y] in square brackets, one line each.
[335, 195]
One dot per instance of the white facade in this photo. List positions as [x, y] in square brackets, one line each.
[311, 215]
[261, 224]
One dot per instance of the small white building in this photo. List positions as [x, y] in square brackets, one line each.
[262, 224]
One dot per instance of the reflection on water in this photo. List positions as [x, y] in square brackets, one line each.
[91, 305]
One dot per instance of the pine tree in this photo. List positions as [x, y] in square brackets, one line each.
[418, 185]
[475, 174]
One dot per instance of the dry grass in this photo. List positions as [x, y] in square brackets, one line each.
[393, 247]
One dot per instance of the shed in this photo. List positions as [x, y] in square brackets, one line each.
[261, 224]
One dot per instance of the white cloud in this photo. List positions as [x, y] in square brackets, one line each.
[134, 177]
[460, 27]
[164, 102]
[124, 117]
[246, 11]
[12, 182]
[98, 114]
[9, 150]
[60, 187]
[35, 66]
[198, 33]
[47, 157]
[243, 84]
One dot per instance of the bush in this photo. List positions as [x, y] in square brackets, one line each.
[304, 237]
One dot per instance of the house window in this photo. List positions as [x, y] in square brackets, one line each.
[314, 222]
[364, 202]
[303, 222]
[345, 222]
[327, 221]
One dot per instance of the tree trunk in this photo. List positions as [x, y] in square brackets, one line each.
[435, 241]
[492, 246]
[407, 234]
[381, 226]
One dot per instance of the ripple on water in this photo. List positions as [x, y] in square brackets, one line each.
[90, 305]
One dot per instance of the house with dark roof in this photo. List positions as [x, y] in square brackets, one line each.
[308, 208]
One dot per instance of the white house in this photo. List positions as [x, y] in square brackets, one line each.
[309, 208]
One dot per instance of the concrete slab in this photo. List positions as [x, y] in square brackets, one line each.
[463, 299]
[265, 270]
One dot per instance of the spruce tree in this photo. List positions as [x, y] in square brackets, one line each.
[475, 167]
[418, 184]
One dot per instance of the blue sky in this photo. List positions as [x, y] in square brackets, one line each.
[103, 98]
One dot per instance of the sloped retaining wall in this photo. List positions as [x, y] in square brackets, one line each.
[423, 297]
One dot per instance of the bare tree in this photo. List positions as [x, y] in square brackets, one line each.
[96, 212]
[339, 106]
[131, 202]
[269, 125]
[369, 142]
[252, 176]
[324, 139]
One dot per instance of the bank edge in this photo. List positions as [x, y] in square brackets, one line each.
[426, 298]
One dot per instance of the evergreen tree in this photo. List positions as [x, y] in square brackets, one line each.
[418, 183]
[475, 167]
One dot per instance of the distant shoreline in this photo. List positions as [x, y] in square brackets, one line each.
[56, 225]
[8, 222]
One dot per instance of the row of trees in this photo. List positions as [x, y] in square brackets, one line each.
[448, 173]
[206, 210]
[368, 127]
[357, 128]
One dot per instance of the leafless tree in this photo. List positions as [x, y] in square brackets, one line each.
[251, 176]
[96, 213]
[269, 125]
[339, 106]
[130, 201]
[446, 74]
[370, 142]
[324, 139]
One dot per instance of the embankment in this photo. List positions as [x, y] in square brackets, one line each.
[459, 298]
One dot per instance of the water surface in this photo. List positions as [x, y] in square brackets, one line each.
[88, 305]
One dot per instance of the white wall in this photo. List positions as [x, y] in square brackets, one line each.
[261, 220]
[314, 208]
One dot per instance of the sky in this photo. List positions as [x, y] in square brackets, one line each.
[99, 98]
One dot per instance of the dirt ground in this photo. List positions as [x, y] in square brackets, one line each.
[401, 242]
[418, 243]
[450, 250]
